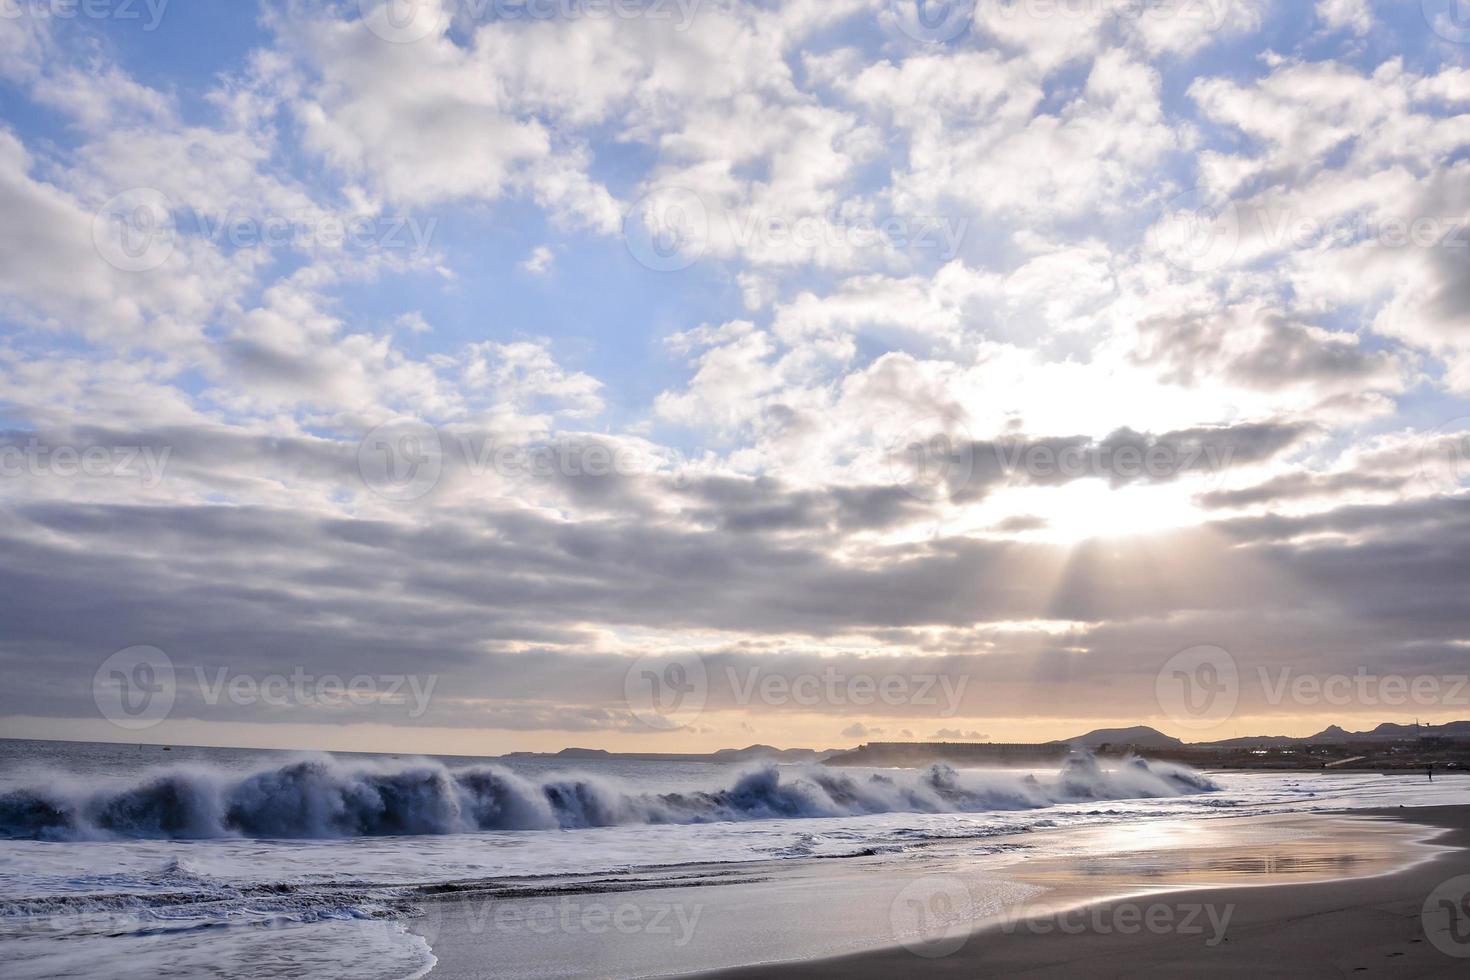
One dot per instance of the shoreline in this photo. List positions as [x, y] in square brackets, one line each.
[814, 916]
[1376, 925]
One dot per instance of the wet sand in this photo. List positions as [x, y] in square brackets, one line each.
[1413, 922]
[1046, 903]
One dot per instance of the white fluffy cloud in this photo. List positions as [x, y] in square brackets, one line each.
[1353, 15]
[919, 263]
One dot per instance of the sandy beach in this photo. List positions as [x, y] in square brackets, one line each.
[1300, 895]
[1374, 926]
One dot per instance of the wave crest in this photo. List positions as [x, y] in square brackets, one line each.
[323, 797]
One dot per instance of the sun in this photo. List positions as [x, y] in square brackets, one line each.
[1089, 509]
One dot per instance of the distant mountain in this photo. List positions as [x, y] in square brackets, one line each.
[1336, 735]
[1140, 735]
[751, 753]
[1254, 741]
[757, 752]
[1391, 732]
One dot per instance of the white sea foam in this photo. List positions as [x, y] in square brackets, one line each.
[323, 798]
[279, 865]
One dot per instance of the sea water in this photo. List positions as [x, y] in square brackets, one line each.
[120, 860]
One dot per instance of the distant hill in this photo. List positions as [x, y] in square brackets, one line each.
[1336, 735]
[1389, 731]
[755, 752]
[1140, 735]
[1255, 741]
[751, 753]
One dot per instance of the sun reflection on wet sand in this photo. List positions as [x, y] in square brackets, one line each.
[1113, 862]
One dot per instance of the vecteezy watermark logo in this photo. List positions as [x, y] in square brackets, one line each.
[1200, 233]
[667, 230]
[1196, 232]
[933, 916]
[134, 231]
[300, 689]
[1131, 919]
[1450, 19]
[670, 923]
[153, 10]
[405, 459]
[1363, 689]
[670, 229]
[407, 21]
[401, 460]
[834, 687]
[1446, 917]
[1198, 688]
[1280, 229]
[70, 923]
[1201, 686]
[306, 229]
[1209, 15]
[38, 459]
[666, 693]
[139, 230]
[1119, 461]
[1444, 461]
[931, 21]
[932, 458]
[817, 235]
[404, 21]
[135, 688]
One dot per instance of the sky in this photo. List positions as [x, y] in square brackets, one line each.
[472, 376]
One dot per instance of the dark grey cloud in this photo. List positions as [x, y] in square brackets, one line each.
[1281, 352]
[1021, 522]
[1122, 458]
[1303, 485]
[763, 504]
[503, 607]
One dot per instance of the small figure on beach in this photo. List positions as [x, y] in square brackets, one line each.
[1429, 771]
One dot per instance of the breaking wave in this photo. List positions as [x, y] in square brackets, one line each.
[323, 797]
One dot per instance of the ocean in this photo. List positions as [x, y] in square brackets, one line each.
[124, 860]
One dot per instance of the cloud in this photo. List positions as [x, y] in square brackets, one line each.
[1353, 15]
[1309, 192]
[932, 362]
[538, 263]
[1299, 485]
[1265, 350]
[420, 121]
